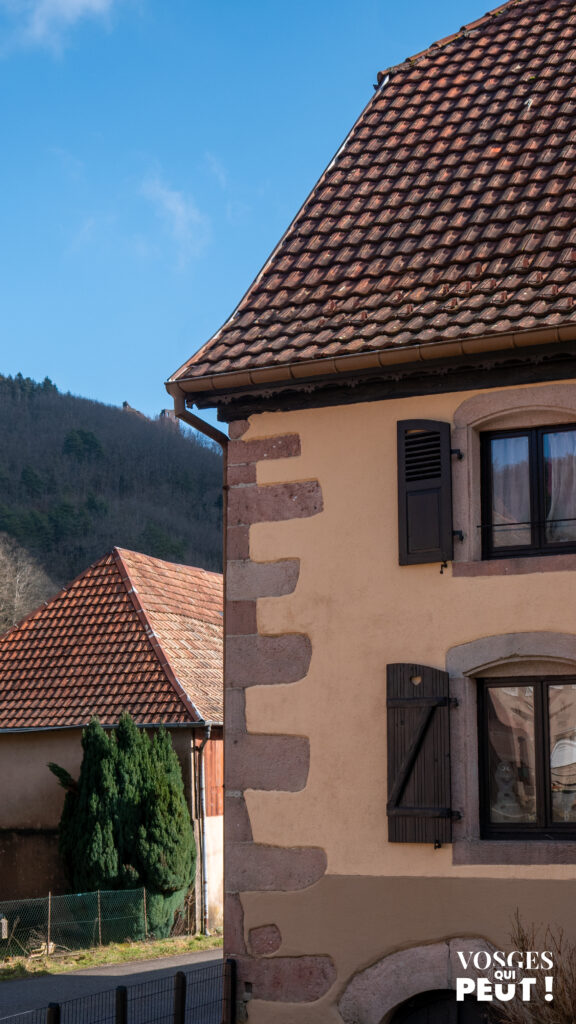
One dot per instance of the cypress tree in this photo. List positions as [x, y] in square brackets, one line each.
[125, 824]
[87, 841]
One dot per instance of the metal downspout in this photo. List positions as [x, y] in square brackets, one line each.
[221, 439]
[204, 865]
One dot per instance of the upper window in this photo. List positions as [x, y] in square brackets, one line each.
[529, 491]
[528, 757]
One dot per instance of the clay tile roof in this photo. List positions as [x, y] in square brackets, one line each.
[131, 633]
[458, 174]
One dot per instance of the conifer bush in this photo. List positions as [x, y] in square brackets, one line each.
[125, 822]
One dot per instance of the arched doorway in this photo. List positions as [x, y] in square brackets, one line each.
[439, 1007]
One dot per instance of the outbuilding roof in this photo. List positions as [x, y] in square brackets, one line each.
[131, 633]
[447, 214]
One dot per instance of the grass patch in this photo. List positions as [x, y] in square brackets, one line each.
[117, 953]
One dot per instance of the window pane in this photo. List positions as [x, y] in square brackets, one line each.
[510, 491]
[512, 785]
[562, 714]
[560, 484]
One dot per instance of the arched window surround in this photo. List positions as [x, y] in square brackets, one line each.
[530, 406]
[513, 654]
[373, 995]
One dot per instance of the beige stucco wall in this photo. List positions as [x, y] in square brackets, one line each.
[361, 611]
[31, 799]
[31, 795]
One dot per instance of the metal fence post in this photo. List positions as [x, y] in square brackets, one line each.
[49, 924]
[179, 998]
[145, 912]
[121, 1005]
[99, 920]
[229, 995]
[53, 1013]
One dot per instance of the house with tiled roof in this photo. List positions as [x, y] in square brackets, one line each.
[131, 634]
[400, 388]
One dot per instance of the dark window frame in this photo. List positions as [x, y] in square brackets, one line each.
[538, 545]
[544, 827]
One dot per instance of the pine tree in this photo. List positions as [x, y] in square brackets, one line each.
[125, 824]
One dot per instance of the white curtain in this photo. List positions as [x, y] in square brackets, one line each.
[510, 491]
[560, 461]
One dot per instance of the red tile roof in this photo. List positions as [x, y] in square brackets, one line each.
[448, 213]
[132, 633]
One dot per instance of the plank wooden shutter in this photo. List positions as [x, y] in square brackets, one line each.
[418, 711]
[424, 492]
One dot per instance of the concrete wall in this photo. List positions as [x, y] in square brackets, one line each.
[318, 606]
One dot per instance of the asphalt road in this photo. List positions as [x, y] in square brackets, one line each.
[35, 993]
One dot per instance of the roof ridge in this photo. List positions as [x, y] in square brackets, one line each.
[152, 637]
[165, 561]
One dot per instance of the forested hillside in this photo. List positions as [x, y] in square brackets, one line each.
[78, 477]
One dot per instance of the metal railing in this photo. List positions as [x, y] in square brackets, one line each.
[202, 995]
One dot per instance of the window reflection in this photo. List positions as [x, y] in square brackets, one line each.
[562, 718]
[511, 754]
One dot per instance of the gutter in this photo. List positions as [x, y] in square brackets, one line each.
[7, 731]
[339, 365]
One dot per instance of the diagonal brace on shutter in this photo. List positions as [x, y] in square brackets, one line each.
[428, 705]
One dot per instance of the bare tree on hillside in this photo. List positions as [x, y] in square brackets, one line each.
[23, 583]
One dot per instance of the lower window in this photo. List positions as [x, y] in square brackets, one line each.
[528, 758]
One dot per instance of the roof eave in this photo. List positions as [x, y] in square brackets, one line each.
[286, 373]
[6, 730]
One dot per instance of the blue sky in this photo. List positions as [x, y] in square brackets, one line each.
[154, 152]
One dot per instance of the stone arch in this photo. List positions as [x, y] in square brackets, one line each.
[475, 657]
[372, 996]
[534, 405]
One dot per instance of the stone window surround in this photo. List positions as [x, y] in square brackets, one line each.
[514, 655]
[500, 410]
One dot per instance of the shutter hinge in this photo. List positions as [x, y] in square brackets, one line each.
[394, 811]
[421, 702]
[458, 453]
[459, 534]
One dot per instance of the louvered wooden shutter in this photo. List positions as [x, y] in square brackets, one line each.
[424, 492]
[418, 711]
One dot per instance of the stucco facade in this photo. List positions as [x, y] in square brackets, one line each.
[318, 607]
